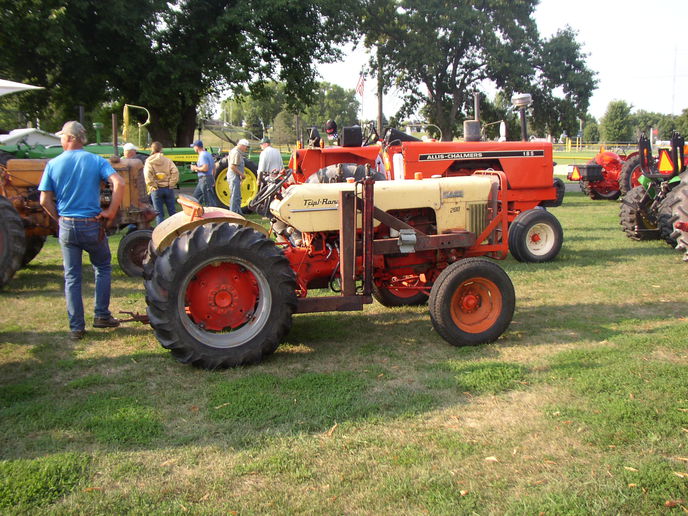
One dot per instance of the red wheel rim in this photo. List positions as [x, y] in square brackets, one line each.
[476, 305]
[405, 287]
[222, 296]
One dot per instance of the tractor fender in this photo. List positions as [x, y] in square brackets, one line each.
[169, 229]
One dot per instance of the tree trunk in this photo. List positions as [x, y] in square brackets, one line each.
[158, 131]
[186, 127]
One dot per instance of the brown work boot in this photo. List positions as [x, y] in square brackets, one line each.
[105, 322]
[77, 334]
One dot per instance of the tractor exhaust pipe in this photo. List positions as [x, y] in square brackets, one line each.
[521, 101]
[471, 128]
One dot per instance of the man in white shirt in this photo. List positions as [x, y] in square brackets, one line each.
[270, 159]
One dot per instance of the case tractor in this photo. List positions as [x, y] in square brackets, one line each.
[647, 211]
[221, 292]
[24, 225]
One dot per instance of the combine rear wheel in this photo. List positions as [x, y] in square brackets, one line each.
[223, 187]
[472, 302]
[635, 219]
[221, 295]
[12, 241]
[132, 251]
[535, 236]
[630, 172]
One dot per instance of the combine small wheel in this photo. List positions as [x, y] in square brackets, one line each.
[220, 295]
[472, 302]
[535, 236]
[12, 241]
[132, 251]
[223, 187]
[630, 172]
[404, 295]
[635, 219]
[34, 244]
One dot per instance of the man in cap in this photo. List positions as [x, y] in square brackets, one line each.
[235, 173]
[129, 150]
[205, 168]
[270, 159]
[70, 193]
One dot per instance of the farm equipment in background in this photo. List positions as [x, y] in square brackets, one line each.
[647, 210]
[535, 235]
[24, 225]
[600, 178]
[221, 293]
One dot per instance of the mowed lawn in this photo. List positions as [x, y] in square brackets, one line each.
[580, 408]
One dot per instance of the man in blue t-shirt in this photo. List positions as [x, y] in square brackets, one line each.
[205, 168]
[70, 193]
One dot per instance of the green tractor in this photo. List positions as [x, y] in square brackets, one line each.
[647, 210]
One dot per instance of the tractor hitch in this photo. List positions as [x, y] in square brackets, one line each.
[134, 317]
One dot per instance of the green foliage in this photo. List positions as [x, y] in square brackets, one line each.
[450, 48]
[591, 131]
[483, 377]
[616, 125]
[31, 483]
[283, 129]
[165, 56]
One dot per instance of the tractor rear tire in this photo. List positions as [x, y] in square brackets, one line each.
[132, 251]
[472, 302]
[223, 188]
[34, 244]
[635, 221]
[12, 241]
[666, 218]
[391, 297]
[679, 213]
[630, 171]
[220, 295]
[535, 236]
[596, 195]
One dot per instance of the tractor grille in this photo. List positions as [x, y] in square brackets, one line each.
[477, 217]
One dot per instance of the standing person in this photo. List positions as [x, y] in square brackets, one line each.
[235, 162]
[270, 159]
[129, 150]
[70, 193]
[161, 177]
[205, 168]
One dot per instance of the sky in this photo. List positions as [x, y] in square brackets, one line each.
[639, 50]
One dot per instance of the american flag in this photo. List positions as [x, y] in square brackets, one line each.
[360, 85]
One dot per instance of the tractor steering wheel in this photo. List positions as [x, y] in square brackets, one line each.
[370, 134]
[261, 203]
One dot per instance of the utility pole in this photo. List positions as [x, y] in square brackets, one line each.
[380, 90]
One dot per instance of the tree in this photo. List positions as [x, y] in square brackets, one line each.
[682, 122]
[331, 102]
[169, 56]
[283, 131]
[591, 131]
[440, 51]
[616, 125]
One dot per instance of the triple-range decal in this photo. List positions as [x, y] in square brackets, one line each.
[440, 156]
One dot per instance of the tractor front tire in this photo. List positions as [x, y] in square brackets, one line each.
[535, 236]
[472, 302]
[630, 172]
[220, 295]
[634, 218]
[223, 187]
[34, 244]
[132, 251]
[12, 241]
[666, 216]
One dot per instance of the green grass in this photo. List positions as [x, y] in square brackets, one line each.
[581, 407]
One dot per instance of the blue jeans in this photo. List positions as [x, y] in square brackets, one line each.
[163, 197]
[204, 190]
[77, 236]
[235, 199]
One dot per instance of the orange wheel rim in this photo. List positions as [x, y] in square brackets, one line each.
[476, 305]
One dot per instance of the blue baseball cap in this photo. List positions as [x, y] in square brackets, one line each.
[197, 143]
